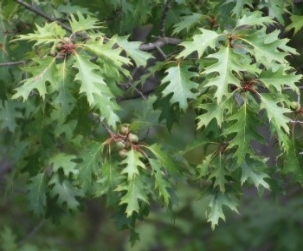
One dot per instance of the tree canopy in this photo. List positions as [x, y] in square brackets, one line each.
[136, 102]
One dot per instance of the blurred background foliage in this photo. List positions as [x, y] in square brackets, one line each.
[265, 222]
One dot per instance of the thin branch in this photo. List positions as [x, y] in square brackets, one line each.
[42, 14]
[32, 232]
[13, 63]
[163, 18]
[291, 89]
[109, 131]
[296, 121]
[140, 93]
[96, 118]
[159, 43]
[162, 53]
[136, 96]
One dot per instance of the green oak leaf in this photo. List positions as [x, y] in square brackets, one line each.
[91, 82]
[277, 9]
[253, 19]
[131, 163]
[50, 33]
[161, 183]
[213, 167]
[279, 79]
[249, 171]
[243, 126]
[163, 158]
[133, 51]
[65, 162]
[93, 86]
[109, 178]
[187, 22]
[217, 171]
[9, 114]
[135, 191]
[180, 85]
[293, 160]
[215, 212]
[296, 23]
[83, 24]
[36, 195]
[275, 112]
[223, 71]
[65, 192]
[214, 110]
[204, 167]
[200, 43]
[267, 48]
[90, 164]
[43, 72]
[271, 104]
[239, 6]
[65, 101]
[109, 53]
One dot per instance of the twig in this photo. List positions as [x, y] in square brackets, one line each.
[290, 88]
[12, 63]
[106, 128]
[96, 118]
[161, 53]
[159, 43]
[32, 232]
[140, 93]
[42, 14]
[136, 96]
[163, 18]
[296, 121]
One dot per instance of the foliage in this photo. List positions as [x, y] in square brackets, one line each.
[88, 112]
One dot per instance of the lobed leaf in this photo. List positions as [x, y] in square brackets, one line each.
[97, 92]
[135, 192]
[293, 160]
[239, 6]
[278, 79]
[217, 171]
[245, 130]
[163, 158]
[83, 24]
[275, 112]
[50, 33]
[249, 171]
[218, 200]
[296, 23]
[267, 48]
[180, 85]
[132, 162]
[161, 182]
[36, 195]
[108, 52]
[44, 71]
[216, 111]
[187, 22]
[200, 43]
[223, 71]
[90, 165]
[65, 192]
[65, 162]
[254, 19]
[133, 51]
[9, 114]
